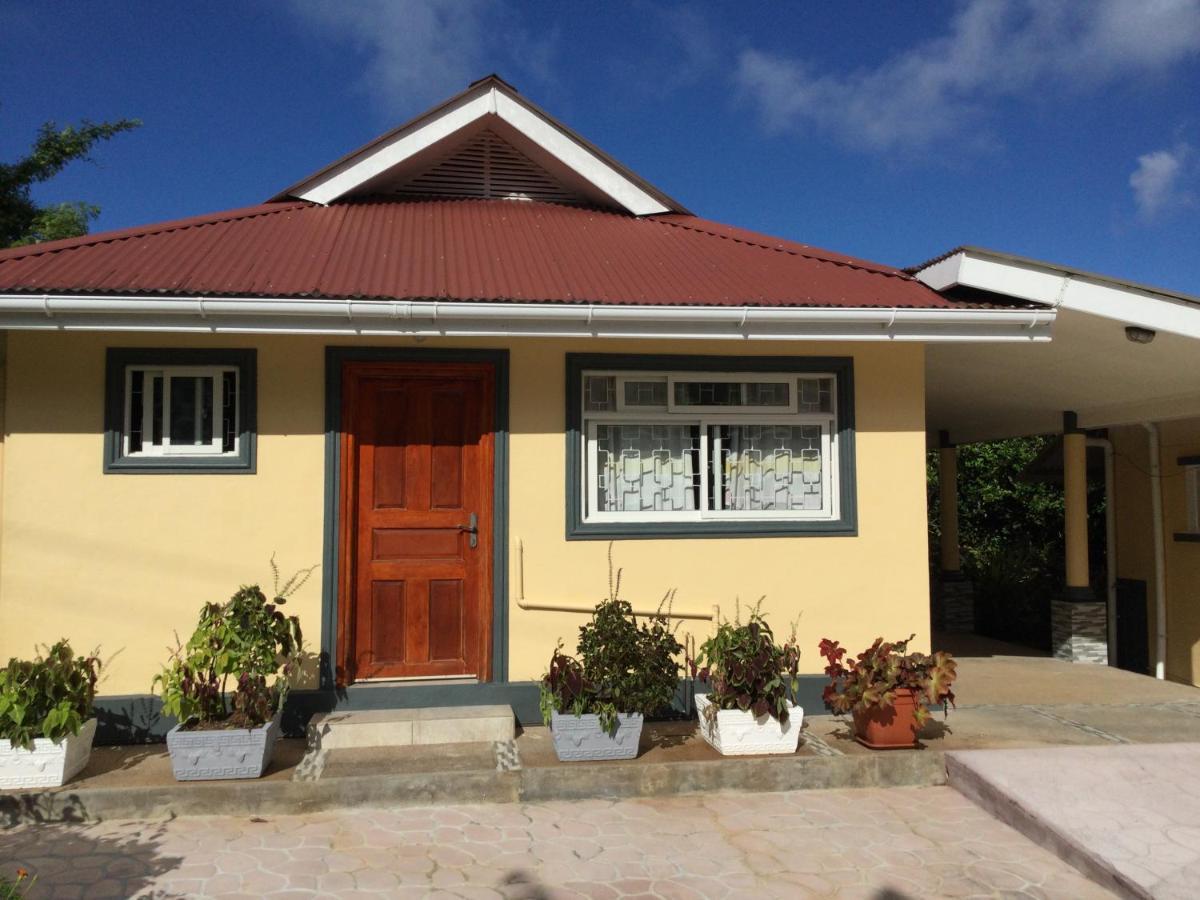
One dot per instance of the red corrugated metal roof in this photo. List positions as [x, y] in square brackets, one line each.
[485, 250]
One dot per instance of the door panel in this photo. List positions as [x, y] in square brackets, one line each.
[418, 470]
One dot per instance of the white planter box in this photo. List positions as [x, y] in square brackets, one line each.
[48, 764]
[738, 733]
[581, 737]
[222, 753]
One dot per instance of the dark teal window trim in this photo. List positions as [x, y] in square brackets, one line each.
[335, 357]
[842, 368]
[118, 358]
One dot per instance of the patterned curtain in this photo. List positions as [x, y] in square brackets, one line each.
[766, 467]
[647, 467]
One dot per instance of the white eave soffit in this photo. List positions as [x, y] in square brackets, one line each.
[488, 106]
[1060, 288]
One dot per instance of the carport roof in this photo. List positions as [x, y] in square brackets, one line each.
[1090, 366]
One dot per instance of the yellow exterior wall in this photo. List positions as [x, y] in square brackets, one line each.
[1135, 522]
[1135, 537]
[1180, 438]
[122, 561]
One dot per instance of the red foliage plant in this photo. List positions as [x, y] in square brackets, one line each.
[873, 678]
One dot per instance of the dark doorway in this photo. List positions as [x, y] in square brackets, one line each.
[1133, 642]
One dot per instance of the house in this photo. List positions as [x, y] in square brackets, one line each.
[452, 367]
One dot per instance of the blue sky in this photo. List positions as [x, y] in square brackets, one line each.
[1062, 130]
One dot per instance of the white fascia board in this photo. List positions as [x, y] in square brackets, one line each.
[1132, 307]
[460, 318]
[361, 169]
[1057, 288]
[576, 157]
[942, 274]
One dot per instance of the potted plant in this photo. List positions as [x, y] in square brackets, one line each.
[46, 720]
[886, 690]
[595, 705]
[248, 639]
[749, 705]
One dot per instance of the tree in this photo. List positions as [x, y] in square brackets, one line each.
[22, 221]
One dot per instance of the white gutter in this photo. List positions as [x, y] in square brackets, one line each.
[1160, 553]
[465, 318]
[1110, 539]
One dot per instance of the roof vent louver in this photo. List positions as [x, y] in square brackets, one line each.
[487, 167]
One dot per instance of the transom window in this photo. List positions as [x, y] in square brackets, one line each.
[186, 409]
[707, 447]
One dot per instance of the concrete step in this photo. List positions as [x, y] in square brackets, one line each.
[407, 727]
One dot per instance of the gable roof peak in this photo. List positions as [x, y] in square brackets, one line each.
[493, 78]
[488, 104]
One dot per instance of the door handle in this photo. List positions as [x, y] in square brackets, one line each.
[472, 528]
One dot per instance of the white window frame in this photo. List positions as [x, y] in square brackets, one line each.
[211, 450]
[705, 418]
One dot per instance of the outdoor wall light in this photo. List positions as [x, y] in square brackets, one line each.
[1139, 335]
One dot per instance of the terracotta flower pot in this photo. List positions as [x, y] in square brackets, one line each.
[889, 728]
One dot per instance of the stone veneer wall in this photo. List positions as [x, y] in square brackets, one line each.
[958, 606]
[1079, 630]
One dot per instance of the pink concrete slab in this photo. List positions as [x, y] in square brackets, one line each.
[1127, 815]
[871, 843]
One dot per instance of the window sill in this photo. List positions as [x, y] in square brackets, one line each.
[1187, 537]
[604, 531]
[180, 466]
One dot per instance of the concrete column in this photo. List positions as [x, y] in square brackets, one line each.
[1079, 619]
[1075, 505]
[956, 607]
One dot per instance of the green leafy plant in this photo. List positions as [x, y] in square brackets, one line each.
[247, 638]
[49, 696]
[15, 890]
[625, 665]
[747, 669]
[874, 677]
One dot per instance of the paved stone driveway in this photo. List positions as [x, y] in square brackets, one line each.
[882, 844]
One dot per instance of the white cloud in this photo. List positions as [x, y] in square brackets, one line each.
[993, 49]
[421, 51]
[1158, 182]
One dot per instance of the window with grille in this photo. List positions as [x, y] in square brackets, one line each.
[707, 448]
[180, 409]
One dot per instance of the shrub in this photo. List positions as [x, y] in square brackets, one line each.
[746, 669]
[624, 666]
[49, 696]
[873, 678]
[247, 638]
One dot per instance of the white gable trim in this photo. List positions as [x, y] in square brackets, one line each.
[576, 157]
[370, 163]
[1066, 289]
[442, 124]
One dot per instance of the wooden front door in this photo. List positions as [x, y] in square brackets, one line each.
[417, 476]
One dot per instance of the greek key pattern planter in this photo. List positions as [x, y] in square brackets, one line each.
[222, 753]
[579, 738]
[49, 763]
[738, 733]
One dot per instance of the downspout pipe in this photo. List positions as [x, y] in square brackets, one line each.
[1160, 552]
[1110, 540]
